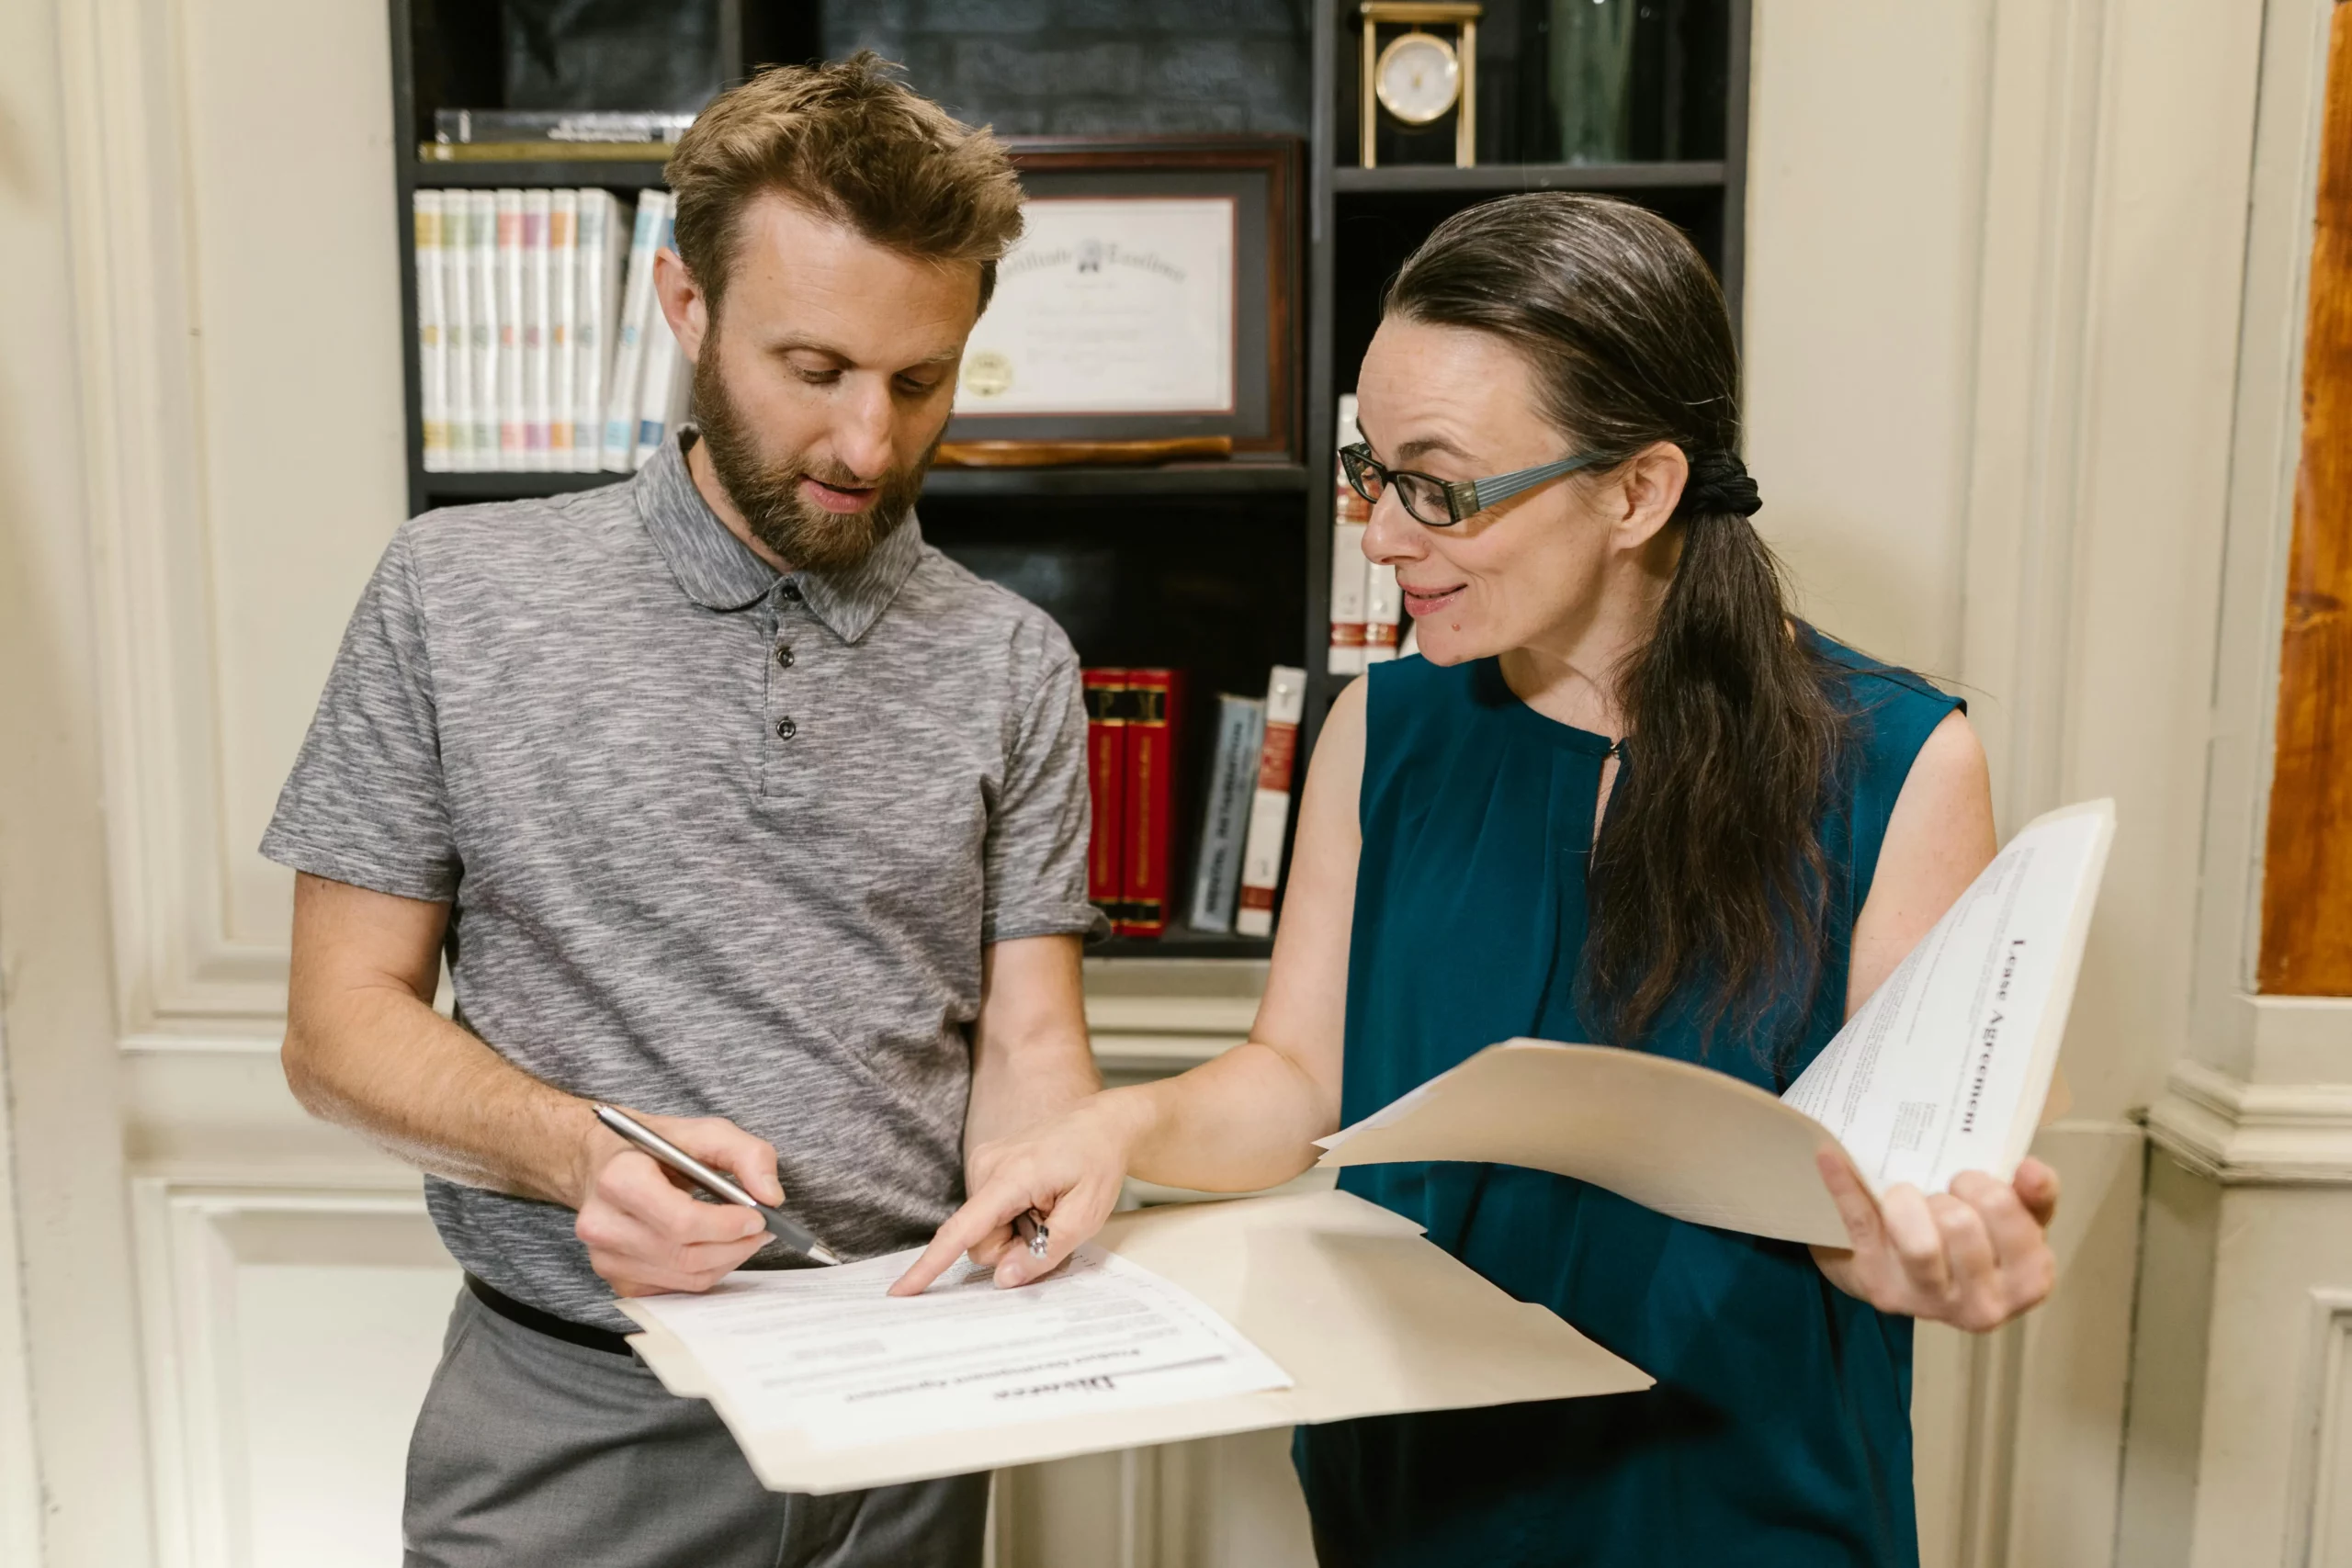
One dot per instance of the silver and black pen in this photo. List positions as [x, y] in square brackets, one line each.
[785, 1229]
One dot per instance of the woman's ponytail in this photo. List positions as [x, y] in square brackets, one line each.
[1731, 741]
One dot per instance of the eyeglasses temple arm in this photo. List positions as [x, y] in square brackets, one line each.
[1469, 497]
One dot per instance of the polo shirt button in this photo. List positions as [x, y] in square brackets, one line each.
[791, 590]
[783, 658]
[786, 730]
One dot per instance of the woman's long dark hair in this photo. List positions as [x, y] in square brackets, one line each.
[1707, 873]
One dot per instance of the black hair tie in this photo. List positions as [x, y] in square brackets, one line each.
[1718, 484]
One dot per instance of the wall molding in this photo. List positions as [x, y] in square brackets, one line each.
[2317, 1529]
[189, 1250]
[2037, 331]
[2239, 1133]
[2265, 452]
[1150, 1016]
[143, 412]
[20, 1489]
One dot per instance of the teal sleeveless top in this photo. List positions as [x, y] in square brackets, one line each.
[1778, 1432]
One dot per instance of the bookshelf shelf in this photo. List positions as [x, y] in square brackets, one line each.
[615, 174]
[1205, 480]
[1498, 179]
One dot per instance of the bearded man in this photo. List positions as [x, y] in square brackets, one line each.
[729, 801]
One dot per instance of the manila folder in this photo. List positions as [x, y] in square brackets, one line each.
[1688, 1142]
[1366, 1315]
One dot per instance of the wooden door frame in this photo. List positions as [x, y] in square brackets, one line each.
[2306, 947]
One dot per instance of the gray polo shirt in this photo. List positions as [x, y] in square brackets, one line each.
[718, 842]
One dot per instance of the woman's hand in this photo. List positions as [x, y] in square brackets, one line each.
[1069, 1170]
[1973, 1258]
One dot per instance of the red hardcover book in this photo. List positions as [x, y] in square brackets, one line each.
[1155, 701]
[1106, 787]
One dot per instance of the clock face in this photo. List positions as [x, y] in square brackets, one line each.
[1418, 77]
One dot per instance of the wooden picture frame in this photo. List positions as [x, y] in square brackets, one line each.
[1259, 178]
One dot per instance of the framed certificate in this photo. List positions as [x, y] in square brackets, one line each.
[1150, 305]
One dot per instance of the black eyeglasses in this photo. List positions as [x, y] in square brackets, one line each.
[1439, 502]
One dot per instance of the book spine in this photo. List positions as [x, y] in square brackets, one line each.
[538, 328]
[1224, 815]
[1384, 610]
[482, 283]
[513, 377]
[563, 309]
[619, 235]
[458, 327]
[431, 330]
[1155, 699]
[1106, 784]
[591, 330]
[1351, 573]
[1262, 856]
[661, 358]
[628, 351]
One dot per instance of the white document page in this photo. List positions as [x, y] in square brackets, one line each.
[827, 1352]
[1944, 1069]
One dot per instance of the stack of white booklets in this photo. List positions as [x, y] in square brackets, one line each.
[535, 350]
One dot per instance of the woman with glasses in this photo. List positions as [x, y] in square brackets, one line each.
[1624, 795]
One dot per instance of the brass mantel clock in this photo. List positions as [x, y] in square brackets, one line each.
[1417, 76]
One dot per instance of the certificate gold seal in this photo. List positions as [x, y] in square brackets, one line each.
[987, 374]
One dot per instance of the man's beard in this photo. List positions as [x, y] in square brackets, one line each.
[767, 490]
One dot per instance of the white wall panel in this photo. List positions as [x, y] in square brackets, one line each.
[1864, 207]
[294, 258]
[291, 1334]
[246, 468]
[2320, 1509]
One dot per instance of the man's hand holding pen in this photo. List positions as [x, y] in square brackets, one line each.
[645, 1231]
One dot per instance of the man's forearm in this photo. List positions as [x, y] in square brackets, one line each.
[1031, 1057]
[380, 1062]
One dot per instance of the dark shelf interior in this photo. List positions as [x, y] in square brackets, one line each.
[1218, 569]
[457, 489]
[1206, 584]
[1201, 478]
[1182, 941]
[1678, 59]
[1374, 231]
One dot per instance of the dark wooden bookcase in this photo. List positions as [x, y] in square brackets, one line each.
[1222, 570]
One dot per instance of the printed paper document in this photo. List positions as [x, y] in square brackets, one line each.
[1945, 1069]
[1297, 1307]
[826, 1351]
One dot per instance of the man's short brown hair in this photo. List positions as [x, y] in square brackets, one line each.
[852, 143]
